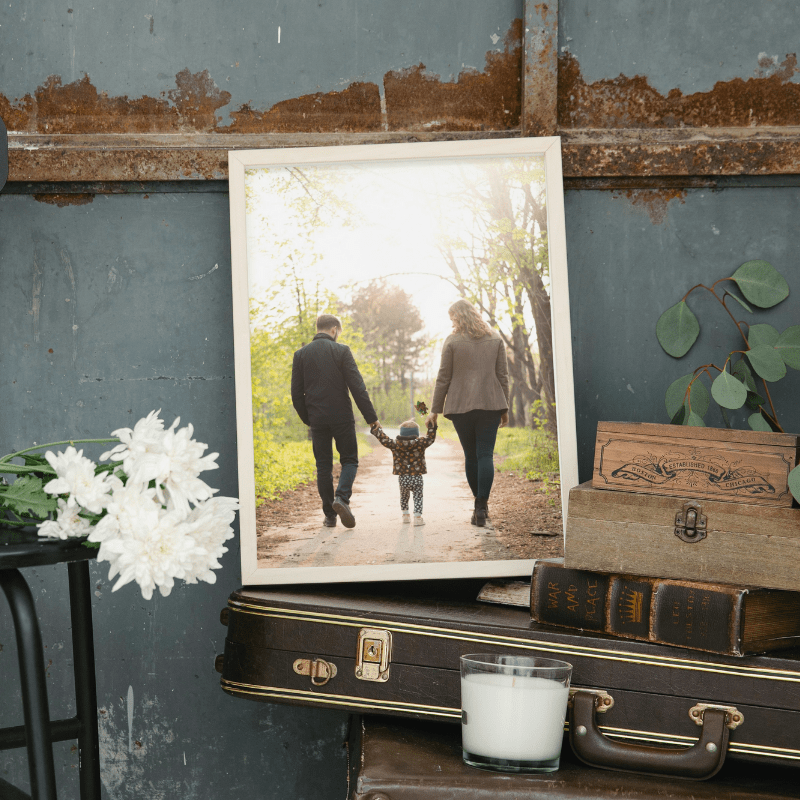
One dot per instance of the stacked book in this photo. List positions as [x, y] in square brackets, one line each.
[684, 536]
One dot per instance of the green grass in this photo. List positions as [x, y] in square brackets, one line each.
[530, 452]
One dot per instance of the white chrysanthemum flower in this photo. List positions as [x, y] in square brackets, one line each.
[210, 527]
[67, 525]
[145, 437]
[143, 542]
[76, 477]
[169, 457]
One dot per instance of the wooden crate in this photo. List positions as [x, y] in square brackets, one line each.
[677, 461]
[720, 542]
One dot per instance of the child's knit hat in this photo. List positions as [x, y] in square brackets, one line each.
[409, 428]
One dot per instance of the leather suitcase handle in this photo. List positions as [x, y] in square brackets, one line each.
[698, 762]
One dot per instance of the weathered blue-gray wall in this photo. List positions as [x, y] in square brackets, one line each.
[116, 297]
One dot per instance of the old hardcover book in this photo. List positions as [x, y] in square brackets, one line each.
[732, 620]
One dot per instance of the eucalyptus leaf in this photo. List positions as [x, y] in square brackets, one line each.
[762, 335]
[794, 483]
[677, 329]
[676, 396]
[761, 283]
[758, 423]
[728, 391]
[679, 416]
[694, 421]
[767, 362]
[27, 495]
[742, 371]
[740, 302]
[788, 345]
[754, 401]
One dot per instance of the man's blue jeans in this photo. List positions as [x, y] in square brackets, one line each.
[477, 432]
[322, 438]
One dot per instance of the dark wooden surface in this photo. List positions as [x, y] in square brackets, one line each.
[409, 760]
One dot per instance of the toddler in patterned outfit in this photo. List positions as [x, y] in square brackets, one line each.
[408, 452]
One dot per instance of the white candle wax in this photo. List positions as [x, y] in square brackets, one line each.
[515, 718]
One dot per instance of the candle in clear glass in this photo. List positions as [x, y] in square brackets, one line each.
[513, 711]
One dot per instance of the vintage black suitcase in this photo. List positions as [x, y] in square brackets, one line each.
[400, 759]
[394, 649]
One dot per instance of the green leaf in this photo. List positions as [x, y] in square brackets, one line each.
[742, 371]
[762, 335]
[767, 362]
[679, 416]
[694, 420]
[676, 396]
[26, 495]
[758, 423]
[754, 401]
[794, 483]
[740, 302]
[761, 283]
[728, 391]
[677, 329]
[788, 345]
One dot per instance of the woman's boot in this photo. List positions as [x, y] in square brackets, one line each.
[480, 512]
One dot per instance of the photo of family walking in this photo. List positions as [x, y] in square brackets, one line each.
[401, 361]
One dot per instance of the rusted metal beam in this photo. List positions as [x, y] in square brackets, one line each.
[160, 157]
[540, 69]
[586, 153]
[680, 151]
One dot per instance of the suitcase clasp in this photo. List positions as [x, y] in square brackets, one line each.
[374, 654]
[691, 523]
[320, 671]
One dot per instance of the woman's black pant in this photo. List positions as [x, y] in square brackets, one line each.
[477, 432]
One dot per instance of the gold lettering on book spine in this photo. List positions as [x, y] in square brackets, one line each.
[630, 606]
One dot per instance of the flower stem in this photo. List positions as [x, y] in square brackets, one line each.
[20, 469]
[56, 444]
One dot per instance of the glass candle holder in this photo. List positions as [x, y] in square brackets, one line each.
[512, 712]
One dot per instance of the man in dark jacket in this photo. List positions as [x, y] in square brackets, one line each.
[322, 373]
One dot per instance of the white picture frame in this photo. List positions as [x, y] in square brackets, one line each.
[426, 155]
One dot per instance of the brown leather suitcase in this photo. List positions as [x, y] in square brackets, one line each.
[394, 649]
[397, 759]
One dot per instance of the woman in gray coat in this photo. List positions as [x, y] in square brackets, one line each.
[472, 391]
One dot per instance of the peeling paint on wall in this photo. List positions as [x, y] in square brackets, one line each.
[653, 201]
[769, 99]
[414, 99]
[61, 200]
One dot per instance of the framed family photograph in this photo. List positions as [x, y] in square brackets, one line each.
[404, 391]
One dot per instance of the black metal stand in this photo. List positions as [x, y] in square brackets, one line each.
[39, 732]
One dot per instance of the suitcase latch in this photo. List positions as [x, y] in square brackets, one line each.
[603, 701]
[690, 523]
[373, 655]
[320, 671]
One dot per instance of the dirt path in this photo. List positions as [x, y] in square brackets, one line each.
[290, 530]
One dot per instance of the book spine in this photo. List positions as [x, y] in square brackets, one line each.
[573, 598]
[682, 613]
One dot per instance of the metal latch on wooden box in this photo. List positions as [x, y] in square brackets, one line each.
[374, 654]
[691, 523]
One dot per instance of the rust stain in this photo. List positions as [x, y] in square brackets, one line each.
[540, 88]
[488, 100]
[415, 100]
[78, 107]
[61, 200]
[356, 108]
[653, 201]
[769, 99]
